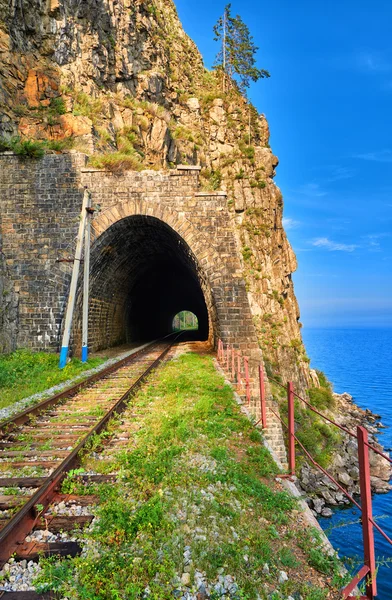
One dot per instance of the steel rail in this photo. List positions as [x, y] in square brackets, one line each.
[25, 415]
[25, 519]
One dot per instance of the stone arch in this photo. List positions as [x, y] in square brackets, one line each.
[108, 318]
[206, 254]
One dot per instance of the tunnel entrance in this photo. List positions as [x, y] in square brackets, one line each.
[142, 275]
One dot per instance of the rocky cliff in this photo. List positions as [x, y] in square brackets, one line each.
[120, 80]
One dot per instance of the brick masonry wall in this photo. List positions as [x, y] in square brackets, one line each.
[40, 203]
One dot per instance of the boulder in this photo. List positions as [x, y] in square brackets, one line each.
[193, 104]
[379, 486]
[379, 467]
[318, 504]
[345, 478]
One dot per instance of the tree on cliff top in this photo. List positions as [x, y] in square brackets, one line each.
[237, 54]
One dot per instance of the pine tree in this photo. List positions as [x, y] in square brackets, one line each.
[237, 54]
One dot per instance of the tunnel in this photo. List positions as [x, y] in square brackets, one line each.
[142, 274]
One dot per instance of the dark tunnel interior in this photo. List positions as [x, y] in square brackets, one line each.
[142, 275]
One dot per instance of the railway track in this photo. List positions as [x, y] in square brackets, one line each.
[39, 446]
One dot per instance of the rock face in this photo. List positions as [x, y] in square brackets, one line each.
[124, 77]
[320, 490]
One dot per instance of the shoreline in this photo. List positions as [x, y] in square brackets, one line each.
[320, 492]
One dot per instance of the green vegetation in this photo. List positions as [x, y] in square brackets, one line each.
[299, 350]
[247, 253]
[236, 57]
[23, 373]
[87, 106]
[195, 476]
[321, 397]
[117, 162]
[57, 106]
[319, 438]
[128, 156]
[278, 297]
[258, 184]
[247, 151]
[212, 179]
[27, 148]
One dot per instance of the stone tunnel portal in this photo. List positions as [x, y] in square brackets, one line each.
[142, 274]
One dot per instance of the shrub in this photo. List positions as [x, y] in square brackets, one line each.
[60, 145]
[117, 162]
[5, 145]
[321, 397]
[215, 180]
[34, 148]
[247, 253]
[86, 106]
[319, 438]
[28, 148]
[247, 151]
[57, 106]
[182, 133]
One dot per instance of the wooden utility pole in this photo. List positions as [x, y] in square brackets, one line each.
[86, 280]
[250, 131]
[224, 49]
[74, 282]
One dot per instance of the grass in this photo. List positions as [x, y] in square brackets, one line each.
[26, 148]
[194, 475]
[24, 373]
[117, 162]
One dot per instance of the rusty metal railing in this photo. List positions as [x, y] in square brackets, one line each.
[239, 371]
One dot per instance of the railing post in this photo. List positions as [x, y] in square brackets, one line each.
[228, 359]
[239, 378]
[247, 382]
[366, 506]
[290, 401]
[232, 363]
[263, 410]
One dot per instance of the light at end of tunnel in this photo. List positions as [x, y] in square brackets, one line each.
[185, 321]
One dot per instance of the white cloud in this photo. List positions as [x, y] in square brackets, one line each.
[373, 241]
[331, 246]
[339, 173]
[312, 189]
[373, 62]
[289, 223]
[380, 156]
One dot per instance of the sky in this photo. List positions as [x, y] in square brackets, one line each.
[329, 107]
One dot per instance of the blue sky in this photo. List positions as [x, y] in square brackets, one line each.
[329, 106]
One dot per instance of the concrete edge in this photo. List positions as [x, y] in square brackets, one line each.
[210, 194]
[188, 168]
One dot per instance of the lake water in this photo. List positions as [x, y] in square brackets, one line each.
[359, 361]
